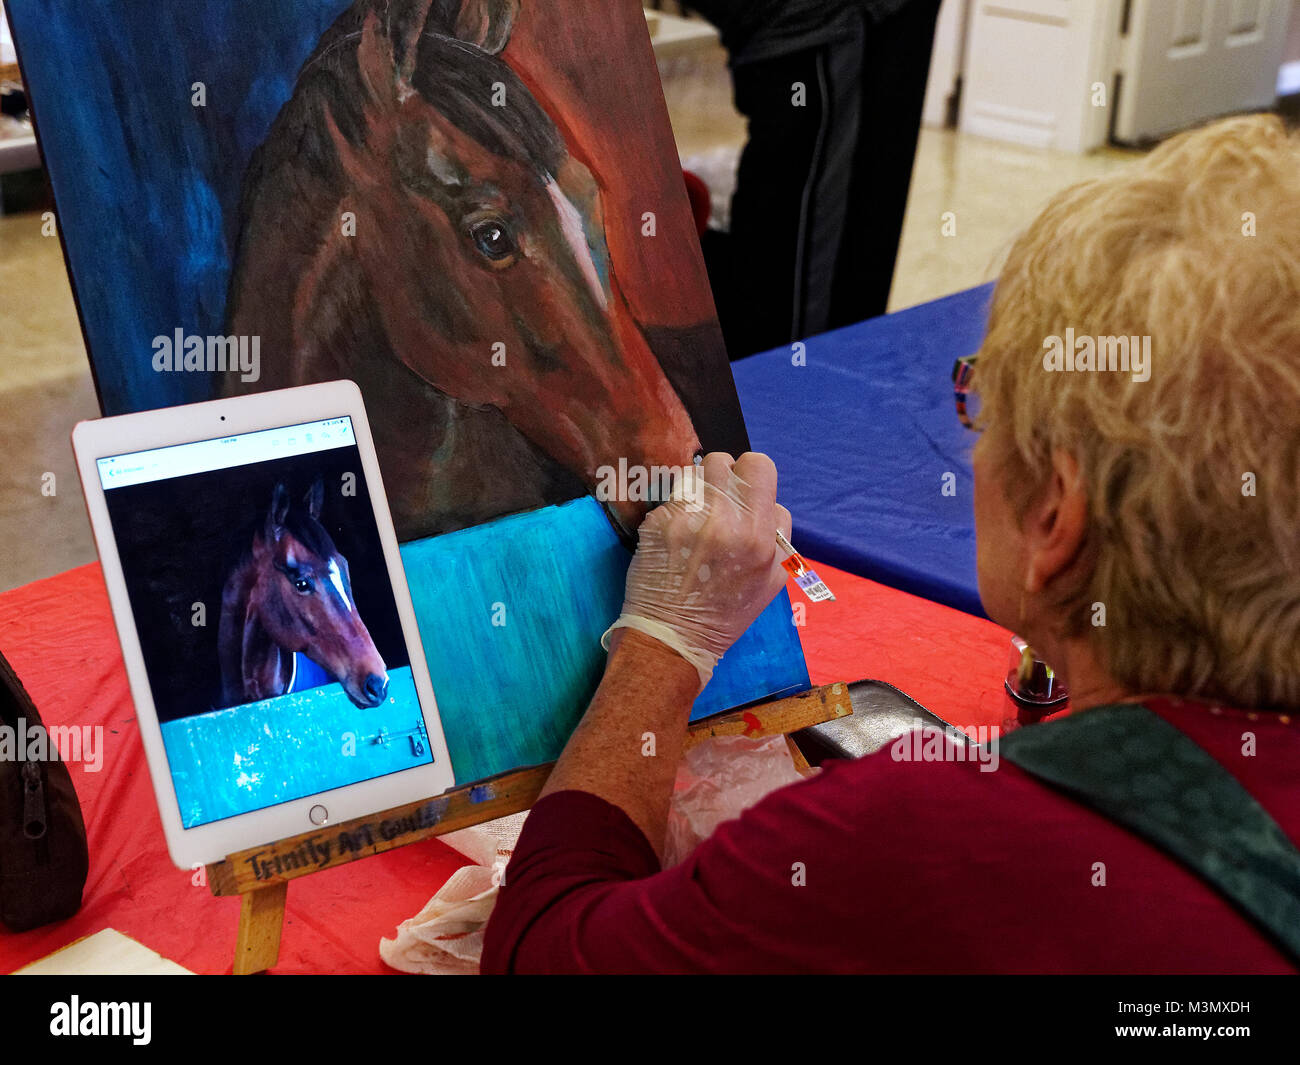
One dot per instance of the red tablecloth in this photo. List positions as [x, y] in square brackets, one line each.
[59, 636]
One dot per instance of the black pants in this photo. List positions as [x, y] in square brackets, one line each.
[822, 188]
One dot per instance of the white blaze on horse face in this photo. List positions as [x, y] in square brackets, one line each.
[442, 169]
[336, 579]
[576, 236]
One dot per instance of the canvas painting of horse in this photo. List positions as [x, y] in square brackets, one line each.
[472, 208]
[415, 221]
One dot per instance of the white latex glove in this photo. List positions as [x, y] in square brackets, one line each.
[707, 563]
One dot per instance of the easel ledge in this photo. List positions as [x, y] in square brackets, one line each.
[261, 875]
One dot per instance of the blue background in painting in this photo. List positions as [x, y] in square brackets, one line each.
[146, 183]
[492, 681]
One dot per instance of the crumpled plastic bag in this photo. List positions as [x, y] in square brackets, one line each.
[717, 780]
[446, 937]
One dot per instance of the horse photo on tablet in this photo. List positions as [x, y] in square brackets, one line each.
[292, 593]
[268, 627]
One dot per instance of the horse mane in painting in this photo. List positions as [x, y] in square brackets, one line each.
[415, 221]
[292, 592]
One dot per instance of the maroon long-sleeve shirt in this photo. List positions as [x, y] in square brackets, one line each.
[877, 865]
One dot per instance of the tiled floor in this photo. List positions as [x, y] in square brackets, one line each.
[994, 190]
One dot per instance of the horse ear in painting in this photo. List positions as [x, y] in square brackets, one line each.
[390, 36]
[485, 23]
[376, 64]
[275, 517]
[315, 497]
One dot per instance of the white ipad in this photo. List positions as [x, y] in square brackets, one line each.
[269, 638]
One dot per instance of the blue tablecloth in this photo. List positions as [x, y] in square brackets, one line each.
[863, 436]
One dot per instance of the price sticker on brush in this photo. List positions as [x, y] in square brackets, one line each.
[804, 575]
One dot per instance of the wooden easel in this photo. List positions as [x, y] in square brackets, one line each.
[261, 876]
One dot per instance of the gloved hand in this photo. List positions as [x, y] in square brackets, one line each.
[707, 563]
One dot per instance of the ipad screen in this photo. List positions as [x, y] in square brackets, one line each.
[268, 626]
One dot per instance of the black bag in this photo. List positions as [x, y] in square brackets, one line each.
[43, 858]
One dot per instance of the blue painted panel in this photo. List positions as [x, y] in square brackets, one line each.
[511, 614]
[765, 663]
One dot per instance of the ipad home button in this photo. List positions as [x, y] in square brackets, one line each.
[318, 814]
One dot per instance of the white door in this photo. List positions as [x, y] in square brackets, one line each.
[1038, 72]
[1184, 61]
[945, 62]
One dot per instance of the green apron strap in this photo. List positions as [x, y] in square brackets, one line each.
[1141, 772]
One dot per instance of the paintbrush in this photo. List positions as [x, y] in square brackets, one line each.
[804, 575]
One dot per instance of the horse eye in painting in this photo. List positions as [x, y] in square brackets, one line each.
[493, 239]
[303, 585]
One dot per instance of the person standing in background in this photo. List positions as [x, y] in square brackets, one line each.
[833, 91]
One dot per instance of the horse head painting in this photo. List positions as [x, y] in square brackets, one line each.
[292, 591]
[414, 221]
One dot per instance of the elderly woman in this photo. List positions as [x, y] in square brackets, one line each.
[1140, 529]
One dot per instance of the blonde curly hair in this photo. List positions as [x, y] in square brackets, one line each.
[1193, 476]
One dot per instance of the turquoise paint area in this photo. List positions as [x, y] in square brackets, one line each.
[249, 757]
[511, 614]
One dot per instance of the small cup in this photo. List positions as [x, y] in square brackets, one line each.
[1032, 686]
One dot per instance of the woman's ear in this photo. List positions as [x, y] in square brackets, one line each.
[1057, 528]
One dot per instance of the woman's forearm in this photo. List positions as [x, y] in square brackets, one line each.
[627, 747]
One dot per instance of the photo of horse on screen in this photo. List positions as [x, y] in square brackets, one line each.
[302, 682]
[292, 593]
